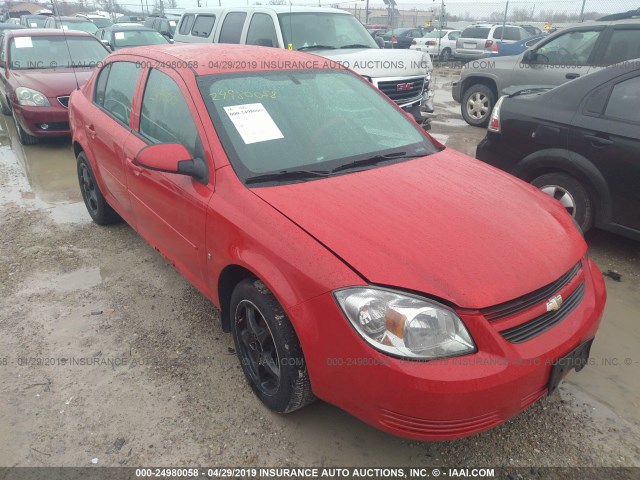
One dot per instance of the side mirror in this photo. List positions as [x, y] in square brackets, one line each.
[529, 56]
[106, 43]
[171, 40]
[380, 42]
[172, 158]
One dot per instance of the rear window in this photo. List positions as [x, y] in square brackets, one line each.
[475, 32]
[232, 27]
[203, 25]
[186, 24]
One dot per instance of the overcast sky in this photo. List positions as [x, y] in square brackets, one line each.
[455, 6]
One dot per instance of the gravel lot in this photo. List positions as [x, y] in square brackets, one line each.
[154, 381]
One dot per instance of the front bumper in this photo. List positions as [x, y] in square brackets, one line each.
[471, 54]
[441, 399]
[33, 120]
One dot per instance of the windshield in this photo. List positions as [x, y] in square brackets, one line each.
[35, 22]
[272, 122]
[101, 22]
[87, 26]
[333, 30]
[136, 38]
[53, 52]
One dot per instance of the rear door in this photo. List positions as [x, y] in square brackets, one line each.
[560, 59]
[607, 132]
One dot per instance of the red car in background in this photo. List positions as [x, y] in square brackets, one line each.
[353, 257]
[40, 68]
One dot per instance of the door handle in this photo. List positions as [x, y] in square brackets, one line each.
[137, 170]
[598, 141]
[571, 76]
[91, 131]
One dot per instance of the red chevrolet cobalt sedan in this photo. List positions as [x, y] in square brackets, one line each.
[353, 258]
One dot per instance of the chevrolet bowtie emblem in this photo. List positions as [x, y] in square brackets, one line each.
[554, 303]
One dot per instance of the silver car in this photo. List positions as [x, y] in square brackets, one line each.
[477, 40]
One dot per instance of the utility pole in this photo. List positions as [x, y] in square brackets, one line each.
[366, 14]
[582, 11]
[504, 20]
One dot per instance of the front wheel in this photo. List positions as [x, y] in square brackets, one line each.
[477, 102]
[445, 56]
[571, 194]
[268, 348]
[24, 137]
[5, 107]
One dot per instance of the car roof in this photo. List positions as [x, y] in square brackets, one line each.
[274, 8]
[127, 26]
[47, 32]
[36, 16]
[72, 19]
[228, 58]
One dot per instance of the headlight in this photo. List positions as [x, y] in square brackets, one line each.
[27, 96]
[404, 325]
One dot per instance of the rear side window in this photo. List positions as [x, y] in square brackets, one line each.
[101, 84]
[510, 33]
[203, 25]
[186, 24]
[165, 116]
[623, 45]
[475, 32]
[262, 31]
[624, 102]
[232, 27]
[118, 93]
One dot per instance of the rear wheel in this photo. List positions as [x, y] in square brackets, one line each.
[477, 102]
[100, 211]
[24, 137]
[573, 196]
[268, 348]
[445, 56]
[4, 106]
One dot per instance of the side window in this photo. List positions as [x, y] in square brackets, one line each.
[118, 92]
[232, 27]
[512, 33]
[624, 102]
[101, 83]
[570, 48]
[203, 25]
[454, 35]
[186, 24]
[262, 31]
[165, 116]
[624, 45]
[497, 33]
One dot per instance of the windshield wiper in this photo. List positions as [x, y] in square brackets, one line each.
[373, 161]
[356, 45]
[287, 175]
[527, 91]
[314, 47]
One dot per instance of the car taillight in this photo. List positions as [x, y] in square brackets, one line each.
[394, 40]
[494, 121]
[495, 48]
[431, 42]
[488, 43]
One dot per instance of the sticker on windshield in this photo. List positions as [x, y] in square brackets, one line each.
[253, 122]
[23, 42]
[33, 24]
[172, 23]
[65, 27]
[119, 35]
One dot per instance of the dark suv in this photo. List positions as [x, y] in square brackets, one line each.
[579, 142]
[165, 26]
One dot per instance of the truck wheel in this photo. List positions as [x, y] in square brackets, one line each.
[98, 208]
[268, 348]
[477, 102]
[573, 196]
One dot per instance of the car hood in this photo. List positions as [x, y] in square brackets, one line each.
[446, 225]
[380, 62]
[52, 83]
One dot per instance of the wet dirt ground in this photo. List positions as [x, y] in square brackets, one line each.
[107, 353]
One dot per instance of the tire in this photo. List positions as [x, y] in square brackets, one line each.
[264, 337]
[5, 108]
[445, 55]
[571, 194]
[477, 102]
[98, 208]
[24, 137]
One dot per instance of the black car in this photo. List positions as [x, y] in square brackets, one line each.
[579, 142]
[129, 35]
[166, 25]
[400, 37]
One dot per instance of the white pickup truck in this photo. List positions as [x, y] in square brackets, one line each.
[403, 75]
